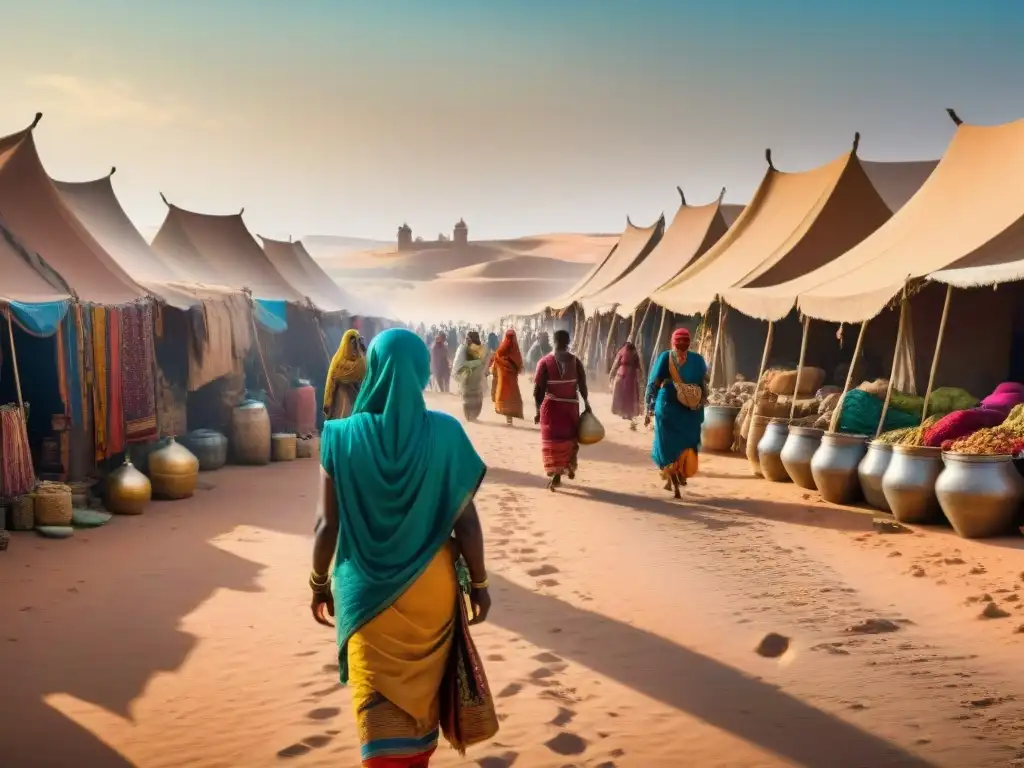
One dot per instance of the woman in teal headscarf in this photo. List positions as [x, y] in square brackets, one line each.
[397, 482]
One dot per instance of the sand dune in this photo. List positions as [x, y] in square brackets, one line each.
[518, 267]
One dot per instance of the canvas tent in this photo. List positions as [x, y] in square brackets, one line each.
[969, 213]
[32, 208]
[21, 281]
[218, 250]
[632, 247]
[294, 263]
[898, 181]
[795, 223]
[693, 230]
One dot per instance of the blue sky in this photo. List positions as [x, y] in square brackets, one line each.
[338, 117]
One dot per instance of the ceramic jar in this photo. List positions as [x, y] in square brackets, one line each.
[769, 451]
[871, 471]
[716, 434]
[909, 483]
[797, 453]
[834, 466]
[980, 495]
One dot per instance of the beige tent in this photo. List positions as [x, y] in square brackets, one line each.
[632, 247]
[218, 250]
[693, 230]
[33, 210]
[300, 270]
[969, 213]
[795, 223]
[898, 181]
[22, 276]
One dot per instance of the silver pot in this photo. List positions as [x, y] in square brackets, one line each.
[769, 451]
[758, 424]
[834, 466]
[870, 472]
[909, 483]
[716, 434]
[797, 453]
[980, 495]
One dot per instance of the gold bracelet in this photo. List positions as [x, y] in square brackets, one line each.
[479, 584]
[320, 589]
[319, 578]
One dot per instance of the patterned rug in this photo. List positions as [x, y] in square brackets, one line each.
[138, 368]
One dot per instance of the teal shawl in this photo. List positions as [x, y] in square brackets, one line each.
[402, 475]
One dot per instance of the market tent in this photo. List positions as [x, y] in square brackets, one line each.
[634, 244]
[795, 223]
[218, 250]
[898, 181]
[33, 209]
[22, 278]
[693, 230]
[294, 263]
[969, 213]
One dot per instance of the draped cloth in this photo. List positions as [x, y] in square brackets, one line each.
[471, 373]
[506, 367]
[676, 427]
[627, 400]
[139, 373]
[557, 380]
[348, 366]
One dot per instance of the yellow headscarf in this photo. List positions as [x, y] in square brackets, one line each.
[347, 367]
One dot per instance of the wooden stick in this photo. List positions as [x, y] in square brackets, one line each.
[605, 362]
[263, 363]
[834, 422]
[895, 358]
[938, 350]
[760, 375]
[323, 340]
[718, 337]
[799, 367]
[14, 364]
[657, 339]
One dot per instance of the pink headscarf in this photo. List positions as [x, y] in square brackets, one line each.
[681, 339]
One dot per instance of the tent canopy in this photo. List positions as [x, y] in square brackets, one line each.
[967, 215]
[20, 281]
[693, 230]
[33, 209]
[218, 250]
[898, 181]
[294, 263]
[631, 248]
[795, 223]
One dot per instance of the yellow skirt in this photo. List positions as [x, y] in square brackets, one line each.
[397, 662]
[685, 466]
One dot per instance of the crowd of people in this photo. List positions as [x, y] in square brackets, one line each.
[399, 549]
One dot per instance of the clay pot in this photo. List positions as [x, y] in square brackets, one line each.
[716, 433]
[980, 495]
[909, 483]
[797, 453]
[769, 451]
[871, 471]
[834, 466]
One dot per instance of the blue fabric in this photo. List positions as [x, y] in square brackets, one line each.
[272, 314]
[41, 319]
[402, 475]
[676, 427]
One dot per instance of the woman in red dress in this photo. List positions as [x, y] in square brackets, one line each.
[559, 376]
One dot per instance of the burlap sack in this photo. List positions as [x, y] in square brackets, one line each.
[878, 387]
[784, 382]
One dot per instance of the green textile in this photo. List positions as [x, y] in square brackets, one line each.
[861, 411]
[402, 475]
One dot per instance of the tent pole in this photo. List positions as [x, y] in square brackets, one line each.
[938, 350]
[760, 375]
[656, 349]
[323, 339]
[14, 364]
[834, 423]
[263, 363]
[895, 358]
[718, 336]
[799, 367]
[606, 362]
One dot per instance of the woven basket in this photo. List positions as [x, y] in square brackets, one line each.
[23, 516]
[53, 504]
[283, 447]
[307, 447]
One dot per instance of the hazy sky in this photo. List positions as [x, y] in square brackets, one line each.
[524, 116]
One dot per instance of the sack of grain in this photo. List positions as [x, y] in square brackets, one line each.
[878, 387]
[784, 382]
[829, 403]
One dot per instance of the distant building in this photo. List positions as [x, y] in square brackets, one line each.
[406, 242]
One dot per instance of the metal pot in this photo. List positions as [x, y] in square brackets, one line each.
[209, 446]
[834, 466]
[797, 453]
[909, 483]
[716, 434]
[871, 471]
[758, 424]
[769, 451]
[128, 491]
[173, 471]
[980, 495]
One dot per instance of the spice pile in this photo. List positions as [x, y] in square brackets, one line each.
[1007, 439]
[908, 435]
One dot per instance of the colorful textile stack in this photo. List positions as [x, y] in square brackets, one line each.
[17, 477]
[107, 402]
[138, 367]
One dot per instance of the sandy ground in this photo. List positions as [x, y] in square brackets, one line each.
[623, 630]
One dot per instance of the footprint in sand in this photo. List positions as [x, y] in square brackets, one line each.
[327, 691]
[549, 582]
[543, 570]
[547, 658]
[302, 654]
[330, 668]
[495, 657]
[563, 718]
[323, 713]
[510, 690]
[305, 746]
[498, 761]
[566, 744]
[542, 674]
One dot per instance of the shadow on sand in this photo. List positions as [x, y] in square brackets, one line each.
[112, 619]
[693, 683]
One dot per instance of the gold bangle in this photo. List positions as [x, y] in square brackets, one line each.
[479, 584]
[320, 579]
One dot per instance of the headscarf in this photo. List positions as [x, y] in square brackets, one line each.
[508, 352]
[474, 347]
[402, 475]
[348, 366]
[492, 341]
[681, 339]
